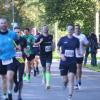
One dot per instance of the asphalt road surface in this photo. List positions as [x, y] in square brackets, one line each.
[35, 90]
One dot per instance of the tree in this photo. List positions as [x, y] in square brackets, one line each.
[71, 11]
[27, 12]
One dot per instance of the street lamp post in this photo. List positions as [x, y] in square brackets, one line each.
[14, 24]
[13, 12]
[7, 7]
[97, 20]
[56, 34]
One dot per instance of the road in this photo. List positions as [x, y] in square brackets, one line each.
[34, 90]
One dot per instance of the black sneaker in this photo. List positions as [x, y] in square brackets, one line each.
[48, 87]
[79, 83]
[5, 99]
[19, 98]
[16, 88]
[9, 96]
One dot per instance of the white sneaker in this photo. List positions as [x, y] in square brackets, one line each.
[76, 87]
[79, 87]
[5, 97]
[69, 97]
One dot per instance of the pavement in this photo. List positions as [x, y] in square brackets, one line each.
[34, 90]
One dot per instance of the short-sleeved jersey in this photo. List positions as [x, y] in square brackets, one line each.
[46, 45]
[21, 43]
[83, 40]
[7, 48]
[30, 41]
[68, 47]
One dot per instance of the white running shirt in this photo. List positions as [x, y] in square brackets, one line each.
[83, 41]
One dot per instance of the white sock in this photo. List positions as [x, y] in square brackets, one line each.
[10, 91]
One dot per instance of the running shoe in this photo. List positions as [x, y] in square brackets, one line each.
[16, 88]
[5, 97]
[79, 86]
[19, 98]
[76, 87]
[69, 97]
[48, 87]
[9, 96]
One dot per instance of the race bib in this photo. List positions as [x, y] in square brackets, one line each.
[6, 62]
[19, 54]
[69, 53]
[48, 48]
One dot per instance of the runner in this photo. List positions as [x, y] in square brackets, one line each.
[46, 47]
[7, 58]
[83, 43]
[36, 50]
[66, 48]
[29, 51]
[20, 63]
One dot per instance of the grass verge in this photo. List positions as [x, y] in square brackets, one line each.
[94, 68]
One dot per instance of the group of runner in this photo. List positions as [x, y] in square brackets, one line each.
[20, 50]
[71, 48]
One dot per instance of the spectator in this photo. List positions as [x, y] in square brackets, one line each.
[93, 48]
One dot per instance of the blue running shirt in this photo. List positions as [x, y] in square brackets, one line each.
[68, 47]
[7, 48]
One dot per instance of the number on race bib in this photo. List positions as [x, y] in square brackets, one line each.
[69, 53]
[6, 62]
[48, 48]
[19, 54]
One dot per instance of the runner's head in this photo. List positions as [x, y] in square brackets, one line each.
[77, 29]
[17, 30]
[3, 25]
[70, 29]
[33, 31]
[45, 29]
[26, 31]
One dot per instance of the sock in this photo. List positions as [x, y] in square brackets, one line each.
[5, 94]
[48, 77]
[10, 91]
[29, 75]
[79, 82]
[37, 69]
[65, 83]
[44, 77]
[24, 74]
